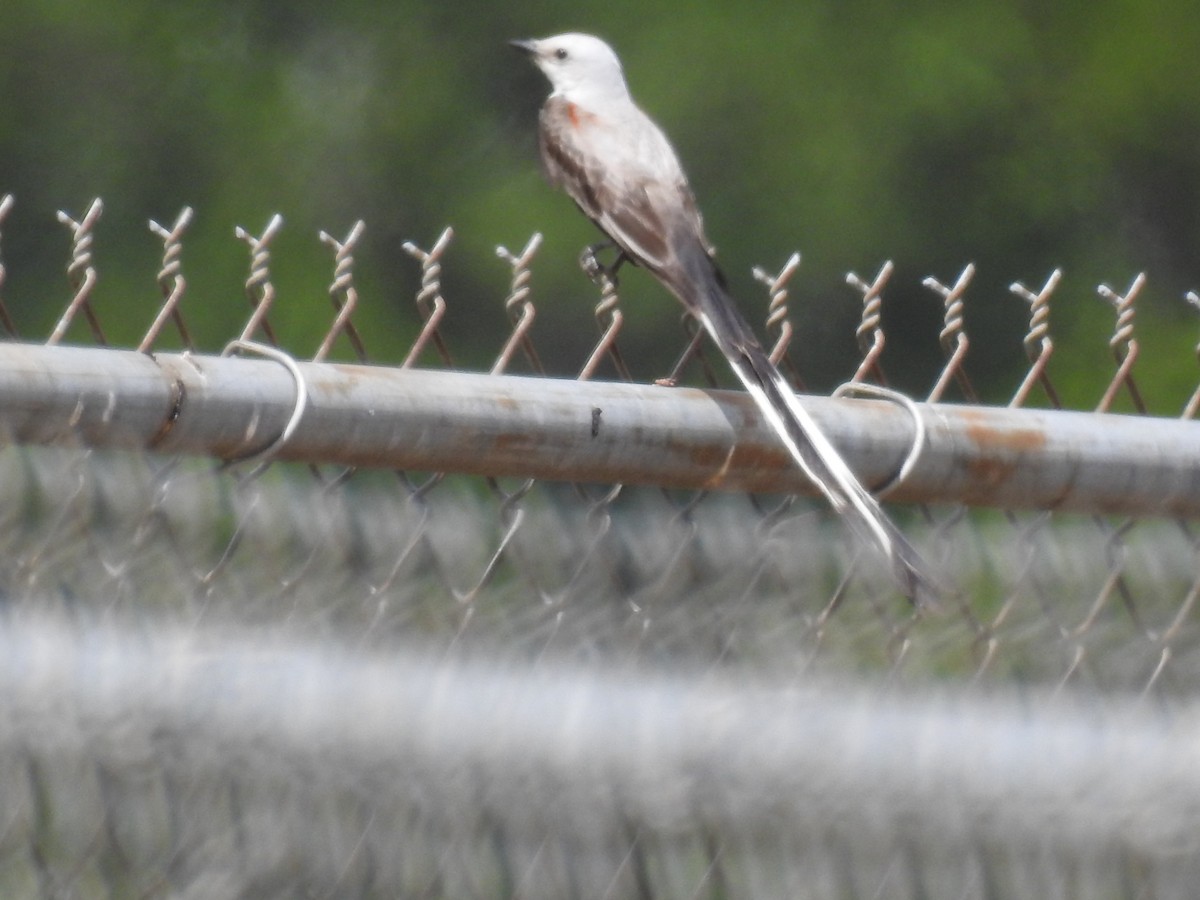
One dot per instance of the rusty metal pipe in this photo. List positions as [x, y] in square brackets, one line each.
[558, 429]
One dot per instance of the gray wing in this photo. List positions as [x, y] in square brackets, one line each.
[632, 191]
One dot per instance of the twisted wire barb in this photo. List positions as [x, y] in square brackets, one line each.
[953, 337]
[869, 332]
[430, 303]
[1125, 351]
[1123, 343]
[6, 322]
[1038, 350]
[777, 321]
[521, 311]
[81, 273]
[259, 290]
[955, 344]
[1037, 342]
[610, 318]
[431, 306]
[342, 292]
[171, 282]
[777, 310]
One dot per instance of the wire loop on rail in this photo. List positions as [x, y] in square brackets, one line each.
[254, 348]
[879, 392]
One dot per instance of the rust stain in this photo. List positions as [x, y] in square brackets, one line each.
[759, 466]
[504, 401]
[990, 472]
[1000, 449]
[1023, 440]
[511, 441]
[352, 376]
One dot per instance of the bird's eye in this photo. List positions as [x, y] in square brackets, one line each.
[560, 53]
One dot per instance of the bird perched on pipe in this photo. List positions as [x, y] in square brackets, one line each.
[617, 165]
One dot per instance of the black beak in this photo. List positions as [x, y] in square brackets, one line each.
[526, 47]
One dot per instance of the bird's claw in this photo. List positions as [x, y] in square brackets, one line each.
[596, 271]
[590, 264]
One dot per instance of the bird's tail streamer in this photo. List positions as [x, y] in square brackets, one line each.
[806, 442]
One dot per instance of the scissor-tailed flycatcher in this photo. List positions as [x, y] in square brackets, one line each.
[620, 169]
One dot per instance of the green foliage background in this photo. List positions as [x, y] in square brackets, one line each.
[1019, 136]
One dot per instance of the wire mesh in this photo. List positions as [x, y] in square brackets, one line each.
[253, 678]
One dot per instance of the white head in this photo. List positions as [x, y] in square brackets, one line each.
[578, 65]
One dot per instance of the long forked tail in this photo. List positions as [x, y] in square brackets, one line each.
[808, 445]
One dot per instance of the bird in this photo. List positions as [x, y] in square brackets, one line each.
[620, 169]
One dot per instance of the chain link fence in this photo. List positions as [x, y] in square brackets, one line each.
[241, 661]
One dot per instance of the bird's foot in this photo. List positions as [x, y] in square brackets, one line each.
[598, 272]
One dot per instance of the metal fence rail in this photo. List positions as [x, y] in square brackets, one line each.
[591, 431]
[445, 634]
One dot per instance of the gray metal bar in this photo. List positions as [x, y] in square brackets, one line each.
[581, 752]
[587, 431]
